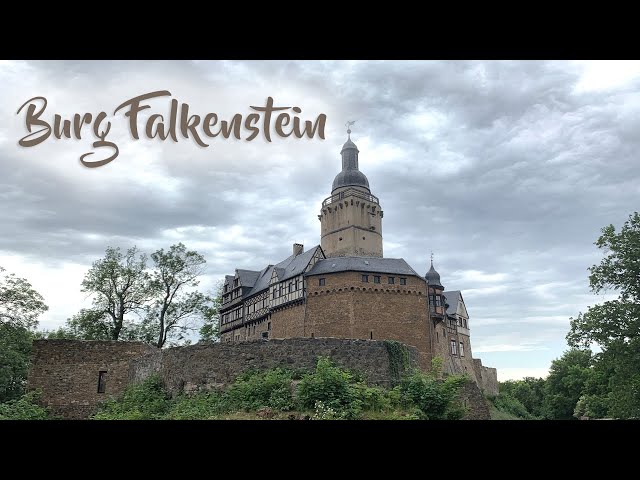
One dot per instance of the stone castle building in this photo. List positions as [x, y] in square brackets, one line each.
[346, 288]
[342, 299]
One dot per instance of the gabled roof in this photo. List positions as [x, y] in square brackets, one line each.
[452, 298]
[395, 266]
[247, 277]
[290, 267]
[295, 264]
[262, 282]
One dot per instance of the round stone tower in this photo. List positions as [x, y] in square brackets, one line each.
[351, 218]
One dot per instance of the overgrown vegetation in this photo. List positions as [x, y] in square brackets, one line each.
[327, 393]
[24, 408]
[399, 361]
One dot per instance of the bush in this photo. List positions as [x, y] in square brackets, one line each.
[506, 403]
[433, 398]
[144, 401]
[24, 408]
[332, 387]
[202, 406]
[254, 390]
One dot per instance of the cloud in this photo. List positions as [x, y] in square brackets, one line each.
[505, 170]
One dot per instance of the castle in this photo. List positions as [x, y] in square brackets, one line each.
[346, 288]
[341, 299]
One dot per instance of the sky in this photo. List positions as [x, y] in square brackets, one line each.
[506, 170]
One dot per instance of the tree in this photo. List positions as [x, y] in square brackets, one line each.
[616, 320]
[15, 349]
[87, 324]
[565, 384]
[210, 331]
[120, 285]
[528, 391]
[614, 325]
[174, 308]
[20, 304]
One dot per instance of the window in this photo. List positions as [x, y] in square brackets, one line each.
[265, 334]
[269, 326]
[454, 348]
[280, 291]
[101, 381]
[371, 335]
[403, 281]
[290, 287]
[274, 293]
[226, 287]
[235, 282]
[391, 280]
[437, 337]
[321, 282]
[461, 348]
[365, 278]
[376, 279]
[297, 283]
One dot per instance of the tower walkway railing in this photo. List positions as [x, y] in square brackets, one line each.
[350, 192]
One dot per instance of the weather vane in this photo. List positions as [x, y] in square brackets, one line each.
[348, 125]
[432, 258]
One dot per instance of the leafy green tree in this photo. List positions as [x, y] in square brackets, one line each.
[15, 350]
[174, 309]
[210, 330]
[20, 304]
[529, 392]
[613, 325]
[564, 385]
[616, 320]
[120, 285]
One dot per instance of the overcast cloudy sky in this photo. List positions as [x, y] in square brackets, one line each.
[506, 170]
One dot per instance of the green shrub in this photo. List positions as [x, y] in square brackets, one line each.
[254, 390]
[24, 408]
[434, 399]
[202, 406]
[332, 387]
[506, 403]
[143, 401]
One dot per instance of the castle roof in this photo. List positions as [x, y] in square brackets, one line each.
[290, 267]
[350, 176]
[395, 266]
[248, 277]
[262, 282]
[452, 298]
[433, 277]
[295, 264]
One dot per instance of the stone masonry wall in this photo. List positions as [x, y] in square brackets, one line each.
[487, 377]
[213, 365]
[67, 373]
[346, 307]
[288, 322]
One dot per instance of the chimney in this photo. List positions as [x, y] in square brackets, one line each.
[298, 248]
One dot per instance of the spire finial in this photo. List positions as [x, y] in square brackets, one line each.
[432, 258]
[348, 125]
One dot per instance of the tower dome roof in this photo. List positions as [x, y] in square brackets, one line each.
[350, 176]
[433, 277]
